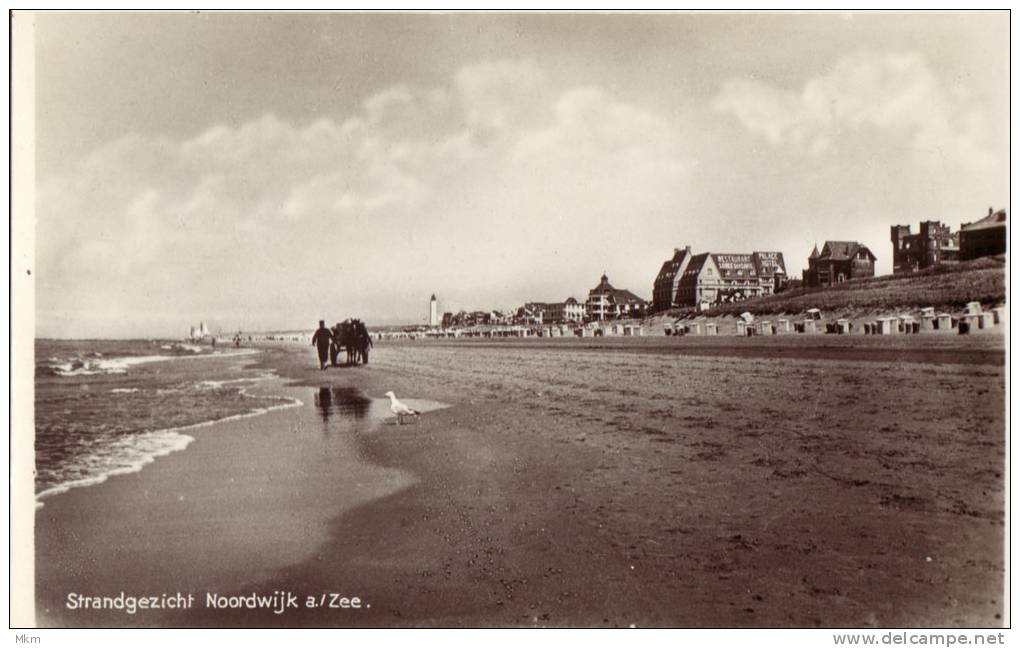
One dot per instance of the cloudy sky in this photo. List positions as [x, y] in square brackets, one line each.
[263, 171]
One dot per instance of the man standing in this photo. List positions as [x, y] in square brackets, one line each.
[321, 340]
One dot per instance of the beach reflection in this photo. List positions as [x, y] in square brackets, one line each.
[341, 401]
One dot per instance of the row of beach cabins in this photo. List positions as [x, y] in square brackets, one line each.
[973, 320]
[591, 329]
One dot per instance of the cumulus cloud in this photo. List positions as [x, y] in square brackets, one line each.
[236, 216]
[894, 96]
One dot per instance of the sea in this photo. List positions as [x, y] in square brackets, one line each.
[107, 407]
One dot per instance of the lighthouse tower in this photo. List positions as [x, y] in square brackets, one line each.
[433, 312]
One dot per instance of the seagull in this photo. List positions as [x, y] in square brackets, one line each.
[399, 408]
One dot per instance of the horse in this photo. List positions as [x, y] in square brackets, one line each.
[348, 340]
[363, 340]
[334, 347]
[353, 337]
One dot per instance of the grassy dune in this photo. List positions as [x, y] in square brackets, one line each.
[947, 287]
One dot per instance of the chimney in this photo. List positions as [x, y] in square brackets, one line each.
[991, 211]
[688, 248]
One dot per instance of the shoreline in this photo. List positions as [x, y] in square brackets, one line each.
[181, 430]
[196, 518]
[493, 511]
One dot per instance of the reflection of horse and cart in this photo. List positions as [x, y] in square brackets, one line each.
[351, 336]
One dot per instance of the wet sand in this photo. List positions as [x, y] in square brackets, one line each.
[574, 486]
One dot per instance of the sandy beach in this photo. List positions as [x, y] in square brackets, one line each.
[810, 482]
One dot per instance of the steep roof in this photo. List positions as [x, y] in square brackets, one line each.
[626, 297]
[615, 295]
[669, 269]
[769, 264]
[814, 252]
[839, 250]
[998, 219]
[690, 275]
[603, 287]
[732, 265]
[843, 250]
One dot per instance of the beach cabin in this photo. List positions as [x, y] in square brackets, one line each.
[986, 320]
[968, 323]
[711, 328]
[694, 328]
[633, 330]
[783, 326]
[972, 308]
[944, 322]
[814, 314]
[808, 326]
[741, 327]
[765, 328]
[999, 313]
[887, 326]
[843, 327]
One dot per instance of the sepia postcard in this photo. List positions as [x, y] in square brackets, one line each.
[511, 320]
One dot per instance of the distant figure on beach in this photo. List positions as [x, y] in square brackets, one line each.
[321, 340]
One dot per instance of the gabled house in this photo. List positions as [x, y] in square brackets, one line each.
[719, 278]
[606, 302]
[837, 262]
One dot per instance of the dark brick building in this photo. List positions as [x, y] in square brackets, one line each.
[838, 261]
[668, 280]
[984, 237]
[934, 244]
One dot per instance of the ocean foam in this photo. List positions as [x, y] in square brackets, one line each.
[96, 364]
[131, 453]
